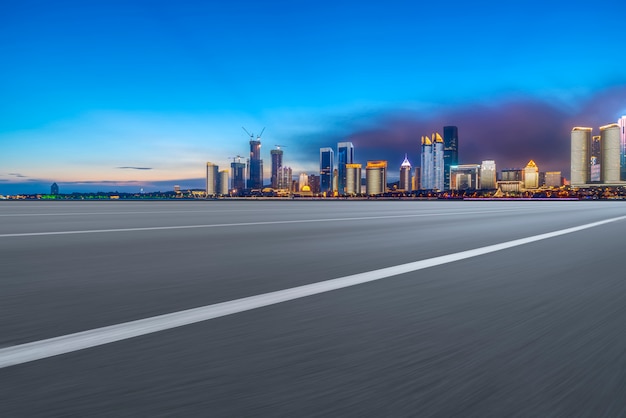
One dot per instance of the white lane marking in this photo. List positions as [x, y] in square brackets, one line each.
[160, 228]
[38, 350]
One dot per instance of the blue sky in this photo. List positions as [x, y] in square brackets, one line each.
[88, 87]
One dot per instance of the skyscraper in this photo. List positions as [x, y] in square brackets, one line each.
[211, 179]
[345, 155]
[438, 162]
[579, 161]
[327, 157]
[54, 189]
[610, 143]
[353, 179]
[222, 185]
[277, 163]
[450, 152]
[531, 175]
[426, 169]
[303, 180]
[405, 175]
[465, 177]
[255, 165]
[238, 173]
[376, 177]
[622, 124]
[488, 175]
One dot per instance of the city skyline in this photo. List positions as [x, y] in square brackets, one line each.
[104, 96]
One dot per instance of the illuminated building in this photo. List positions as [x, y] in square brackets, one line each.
[426, 169]
[579, 162]
[438, 165]
[511, 174]
[238, 174]
[54, 189]
[211, 179]
[531, 175]
[553, 179]
[285, 178]
[303, 180]
[405, 175]
[595, 160]
[450, 152]
[353, 179]
[255, 165]
[465, 177]
[314, 183]
[223, 183]
[488, 175]
[375, 177]
[610, 142]
[277, 163]
[326, 169]
[345, 155]
[622, 126]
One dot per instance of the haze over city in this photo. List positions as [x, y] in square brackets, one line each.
[104, 96]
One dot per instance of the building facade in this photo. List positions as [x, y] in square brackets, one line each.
[376, 177]
[450, 152]
[622, 125]
[465, 177]
[353, 179]
[345, 155]
[327, 158]
[579, 155]
[426, 168]
[488, 175]
[212, 173]
[255, 165]
[553, 179]
[277, 163]
[610, 144]
[238, 174]
[405, 175]
[438, 162]
[531, 175]
[223, 182]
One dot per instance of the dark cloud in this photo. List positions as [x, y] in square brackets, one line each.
[135, 168]
[511, 132]
[17, 175]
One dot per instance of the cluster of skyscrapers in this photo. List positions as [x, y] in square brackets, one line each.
[599, 159]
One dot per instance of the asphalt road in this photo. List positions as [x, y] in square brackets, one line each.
[537, 329]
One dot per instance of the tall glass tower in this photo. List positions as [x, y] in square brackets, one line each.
[450, 152]
[426, 174]
[256, 165]
[277, 163]
[345, 155]
[327, 158]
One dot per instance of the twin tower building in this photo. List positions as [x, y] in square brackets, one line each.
[599, 159]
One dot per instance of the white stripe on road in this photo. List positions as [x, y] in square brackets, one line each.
[37, 350]
[297, 221]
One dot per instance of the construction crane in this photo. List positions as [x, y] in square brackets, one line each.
[252, 135]
[238, 158]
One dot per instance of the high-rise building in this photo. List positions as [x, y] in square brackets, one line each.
[211, 179]
[622, 125]
[512, 174]
[579, 161]
[405, 175]
[222, 185]
[610, 142]
[54, 189]
[277, 163]
[438, 163]
[285, 178]
[353, 179]
[255, 165]
[450, 152]
[327, 158]
[345, 155]
[531, 175]
[488, 175]
[553, 179]
[376, 177]
[303, 180]
[426, 169]
[595, 160]
[238, 174]
[314, 183]
[465, 177]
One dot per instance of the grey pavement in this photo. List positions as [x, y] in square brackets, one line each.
[535, 330]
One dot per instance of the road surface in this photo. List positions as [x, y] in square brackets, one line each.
[312, 308]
